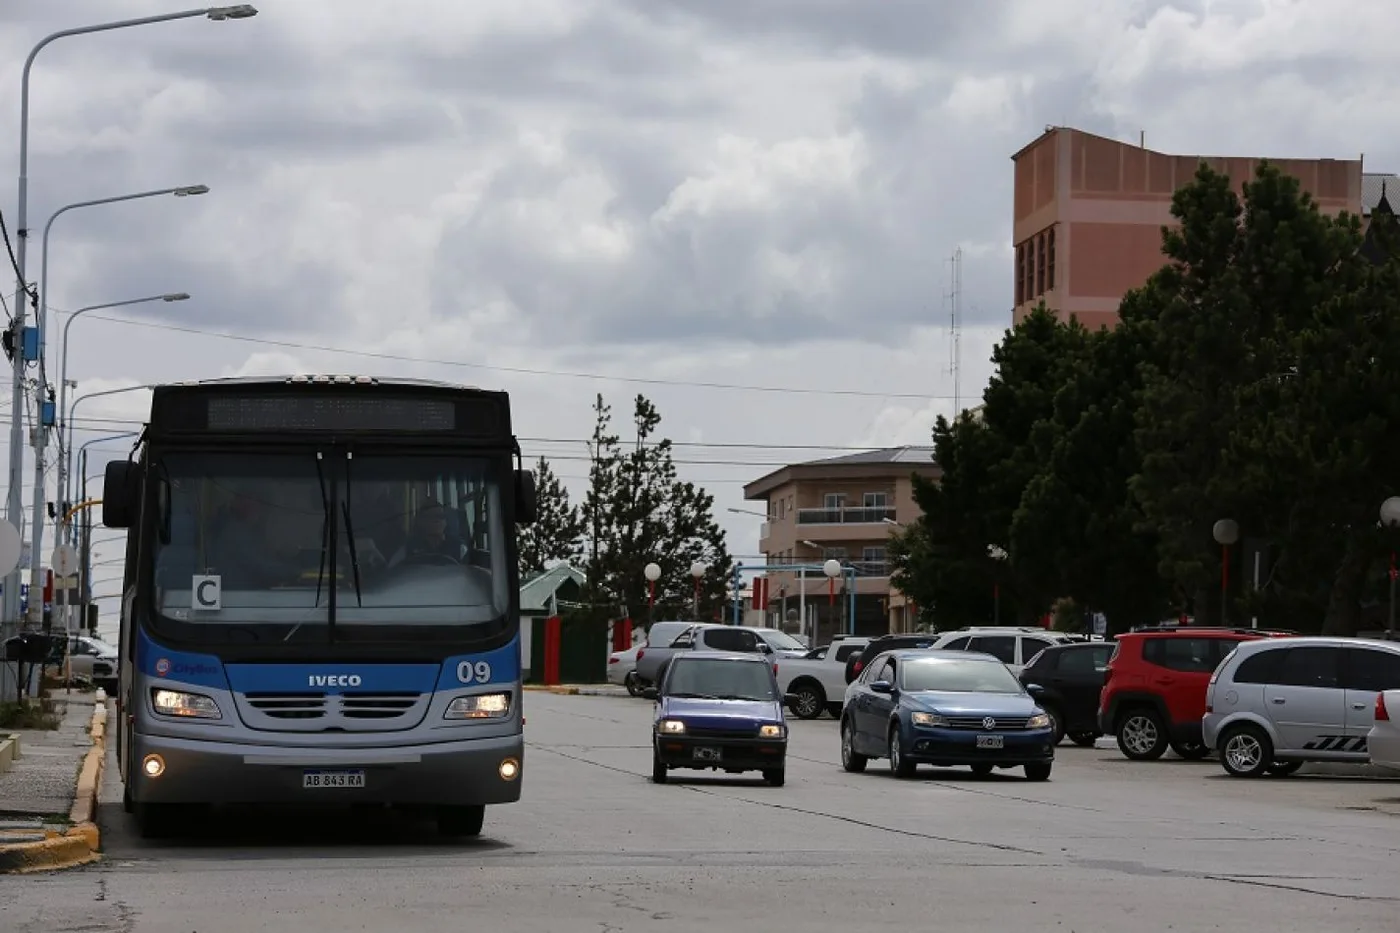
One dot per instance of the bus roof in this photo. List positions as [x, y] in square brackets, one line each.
[320, 379]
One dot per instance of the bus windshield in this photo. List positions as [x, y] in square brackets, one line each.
[418, 540]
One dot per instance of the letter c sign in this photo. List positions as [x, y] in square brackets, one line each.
[206, 593]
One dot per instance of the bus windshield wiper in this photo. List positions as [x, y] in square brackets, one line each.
[327, 538]
[350, 532]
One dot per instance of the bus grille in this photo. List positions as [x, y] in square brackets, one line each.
[332, 712]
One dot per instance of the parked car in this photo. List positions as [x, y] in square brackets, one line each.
[944, 708]
[1276, 704]
[1014, 646]
[1155, 693]
[783, 644]
[855, 663]
[92, 659]
[622, 665]
[653, 659]
[816, 682]
[719, 712]
[1066, 681]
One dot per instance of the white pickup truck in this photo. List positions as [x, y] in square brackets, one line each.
[817, 680]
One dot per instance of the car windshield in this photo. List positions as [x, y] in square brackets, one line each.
[418, 540]
[780, 641]
[956, 675]
[721, 679]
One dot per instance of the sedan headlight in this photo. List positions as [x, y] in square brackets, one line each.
[185, 705]
[772, 730]
[1038, 721]
[928, 719]
[670, 726]
[479, 706]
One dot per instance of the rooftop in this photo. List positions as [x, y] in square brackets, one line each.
[883, 461]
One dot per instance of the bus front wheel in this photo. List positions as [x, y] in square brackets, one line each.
[461, 821]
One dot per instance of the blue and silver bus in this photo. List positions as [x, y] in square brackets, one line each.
[321, 598]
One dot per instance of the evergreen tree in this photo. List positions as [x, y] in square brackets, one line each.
[557, 535]
[638, 511]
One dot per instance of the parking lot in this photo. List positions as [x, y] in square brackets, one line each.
[1105, 845]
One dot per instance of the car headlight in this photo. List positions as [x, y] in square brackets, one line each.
[1038, 721]
[185, 705]
[670, 726]
[928, 719]
[772, 730]
[479, 706]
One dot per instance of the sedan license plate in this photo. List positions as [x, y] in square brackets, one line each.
[705, 754]
[991, 741]
[319, 779]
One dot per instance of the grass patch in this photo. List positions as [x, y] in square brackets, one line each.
[29, 715]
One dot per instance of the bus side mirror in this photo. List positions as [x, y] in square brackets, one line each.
[527, 503]
[118, 487]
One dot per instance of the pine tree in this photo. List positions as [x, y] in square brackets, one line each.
[637, 512]
[558, 532]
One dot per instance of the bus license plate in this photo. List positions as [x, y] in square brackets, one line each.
[990, 741]
[706, 754]
[333, 779]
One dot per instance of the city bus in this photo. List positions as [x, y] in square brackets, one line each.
[321, 598]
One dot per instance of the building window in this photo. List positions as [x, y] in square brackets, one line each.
[1040, 265]
[833, 500]
[872, 554]
[1050, 262]
[1021, 274]
[876, 500]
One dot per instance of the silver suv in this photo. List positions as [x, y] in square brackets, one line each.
[1274, 704]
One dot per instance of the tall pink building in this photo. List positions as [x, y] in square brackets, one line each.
[1089, 212]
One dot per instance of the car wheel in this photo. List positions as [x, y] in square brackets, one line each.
[900, 766]
[775, 776]
[1245, 751]
[808, 700]
[658, 769]
[634, 686]
[852, 760]
[461, 821]
[1084, 739]
[1141, 734]
[1038, 771]
[1057, 723]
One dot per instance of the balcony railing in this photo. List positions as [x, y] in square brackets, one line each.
[850, 516]
[863, 568]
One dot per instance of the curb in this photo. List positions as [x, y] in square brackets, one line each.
[569, 690]
[79, 844]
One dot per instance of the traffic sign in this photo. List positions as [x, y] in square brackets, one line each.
[64, 560]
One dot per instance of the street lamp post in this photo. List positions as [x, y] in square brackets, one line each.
[1390, 517]
[997, 554]
[1226, 532]
[653, 573]
[65, 452]
[697, 570]
[15, 500]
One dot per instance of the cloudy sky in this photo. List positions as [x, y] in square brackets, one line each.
[744, 209]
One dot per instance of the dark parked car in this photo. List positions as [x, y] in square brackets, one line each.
[719, 712]
[855, 664]
[944, 708]
[1065, 680]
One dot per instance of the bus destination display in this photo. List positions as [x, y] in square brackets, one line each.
[295, 412]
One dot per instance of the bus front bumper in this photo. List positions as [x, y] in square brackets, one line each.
[459, 773]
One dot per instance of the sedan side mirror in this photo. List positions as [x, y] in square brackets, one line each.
[765, 647]
[882, 686]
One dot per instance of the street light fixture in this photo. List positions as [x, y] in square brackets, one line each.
[65, 451]
[697, 570]
[15, 498]
[653, 573]
[1226, 532]
[1390, 518]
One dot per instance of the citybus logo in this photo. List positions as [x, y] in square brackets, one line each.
[334, 680]
[163, 666]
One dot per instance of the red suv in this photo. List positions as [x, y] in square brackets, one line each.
[1154, 695]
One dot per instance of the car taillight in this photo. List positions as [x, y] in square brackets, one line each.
[775, 667]
[613, 659]
[640, 653]
[1382, 714]
[857, 666]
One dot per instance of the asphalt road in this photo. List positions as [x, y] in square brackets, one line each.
[1105, 846]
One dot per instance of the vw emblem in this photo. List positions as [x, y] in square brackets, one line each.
[989, 723]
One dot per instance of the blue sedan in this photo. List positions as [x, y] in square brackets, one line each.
[719, 712]
[944, 708]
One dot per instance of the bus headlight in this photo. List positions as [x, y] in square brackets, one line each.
[479, 706]
[185, 705]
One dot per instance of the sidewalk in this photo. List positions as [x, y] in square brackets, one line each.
[47, 796]
[587, 690]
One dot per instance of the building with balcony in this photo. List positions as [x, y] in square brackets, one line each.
[1089, 212]
[843, 508]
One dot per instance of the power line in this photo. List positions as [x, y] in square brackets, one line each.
[514, 370]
